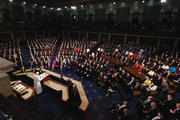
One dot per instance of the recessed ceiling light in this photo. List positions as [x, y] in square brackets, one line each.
[73, 7]
[58, 8]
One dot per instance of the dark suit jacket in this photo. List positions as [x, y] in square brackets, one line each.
[153, 112]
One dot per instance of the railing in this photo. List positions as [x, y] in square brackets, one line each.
[153, 40]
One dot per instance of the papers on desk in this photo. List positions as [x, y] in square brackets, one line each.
[20, 87]
[42, 76]
[151, 73]
[14, 83]
[152, 87]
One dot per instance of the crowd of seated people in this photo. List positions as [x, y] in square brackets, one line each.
[153, 109]
[120, 111]
[41, 52]
[70, 52]
[11, 50]
[108, 77]
[160, 69]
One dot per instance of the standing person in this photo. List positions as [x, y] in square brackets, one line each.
[37, 84]
[164, 88]
[53, 65]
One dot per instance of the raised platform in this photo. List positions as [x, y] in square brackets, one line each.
[84, 100]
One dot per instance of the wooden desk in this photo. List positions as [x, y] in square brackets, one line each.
[30, 74]
[58, 87]
[22, 88]
[135, 72]
[112, 60]
[84, 100]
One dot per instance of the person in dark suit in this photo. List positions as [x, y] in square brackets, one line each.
[169, 103]
[125, 115]
[123, 106]
[158, 80]
[175, 114]
[169, 75]
[153, 111]
[136, 87]
[132, 82]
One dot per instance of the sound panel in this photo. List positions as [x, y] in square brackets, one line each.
[151, 13]
[66, 16]
[178, 15]
[52, 16]
[37, 14]
[18, 12]
[100, 15]
[122, 14]
[81, 15]
[1, 16]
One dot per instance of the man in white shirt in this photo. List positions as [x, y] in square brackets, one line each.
[37, 83]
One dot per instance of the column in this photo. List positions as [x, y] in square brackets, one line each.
[69, 33]
[176, 43]
[125, 39]
[63, 33]
[12, 36]
[138, 37]
[35, 34]
[24, 35]
[86, 35]
[79, 35]
[99, 36]
[159, 41]
[109, 37]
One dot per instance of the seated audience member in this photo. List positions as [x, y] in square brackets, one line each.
[178, 72]
[23, 69]
[169, 103]
[158, 80]
[110, 91]
[146, 103]
[141, 67]
[123, 106]
[136, 65]
[176, 112]
[152, 111]
[125, 115]
[158, 117]
[117, 109]
[61, 79]
[132, 82]
[136, 87]
[169, 76]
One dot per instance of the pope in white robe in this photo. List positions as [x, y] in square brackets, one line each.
[37, 84]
